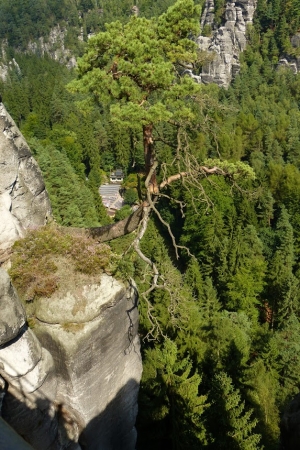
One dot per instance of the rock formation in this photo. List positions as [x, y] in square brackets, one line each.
[6, 67]
[28, 371]
[76, 385]
[54, 46]
[24, 202]
[225, 42]
[71, 381]
[292, 62]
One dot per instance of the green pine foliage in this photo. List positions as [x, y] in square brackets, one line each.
[170, 401]
[236, 426]
[71, 199]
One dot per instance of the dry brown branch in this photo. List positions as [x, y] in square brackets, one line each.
[172, 178]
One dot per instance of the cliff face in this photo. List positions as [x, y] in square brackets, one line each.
[71, 381]
[226, 42]
[24, 202]
[290, 61]
[95, 330]
[54, 46]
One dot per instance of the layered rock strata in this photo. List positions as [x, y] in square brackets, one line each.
[76, 385]
[225, 42]
[24, 202]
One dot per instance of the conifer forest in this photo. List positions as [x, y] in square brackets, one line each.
[217, 259]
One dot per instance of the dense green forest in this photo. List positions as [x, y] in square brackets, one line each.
[27, 20]
[221, 333]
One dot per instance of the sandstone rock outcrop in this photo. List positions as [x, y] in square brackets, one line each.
[75, 385]
[98, 376]
[28, 371]
[24, 202]
[292, 62]
[225, 42]
[54, 46]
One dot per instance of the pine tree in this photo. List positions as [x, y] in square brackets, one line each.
[247, 267]
[171, 405]
[137, 64]
[283, 285]
[236, 427]
[262, 381]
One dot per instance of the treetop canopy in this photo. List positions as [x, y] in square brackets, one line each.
[129, 63]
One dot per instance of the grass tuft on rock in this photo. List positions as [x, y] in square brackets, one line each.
[35, 260]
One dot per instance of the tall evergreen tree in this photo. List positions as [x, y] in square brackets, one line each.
[172, 406]
[236, 427]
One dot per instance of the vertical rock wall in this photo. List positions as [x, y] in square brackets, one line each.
[76, 385]
[227, 41]
[24, 202]
[28, 372]
[92, 335]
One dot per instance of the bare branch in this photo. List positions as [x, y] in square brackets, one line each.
[205, 170]
[136, 244]
[181, 204]
[172, 178]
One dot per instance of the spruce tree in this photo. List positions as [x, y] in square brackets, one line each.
[236, 427]
[171, 405]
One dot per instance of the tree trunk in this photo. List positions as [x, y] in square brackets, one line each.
[149, 154]
[109, 232]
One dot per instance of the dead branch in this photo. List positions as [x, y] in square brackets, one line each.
[181, 204]
[136, 244]
[205, 170]
[172, 178]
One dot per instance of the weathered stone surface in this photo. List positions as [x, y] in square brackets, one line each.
[24, 202]
[7, 65]
[35, 420]
[21, 355]
[28, 370]
[82, 306]
[54, 46]
[75, 381]
[2, 392]
[291, 62]
[98, 367]
[226, 42]
[12, 317]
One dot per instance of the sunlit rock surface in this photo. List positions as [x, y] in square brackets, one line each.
[225, 42]
[73, 381]
[24, 202]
